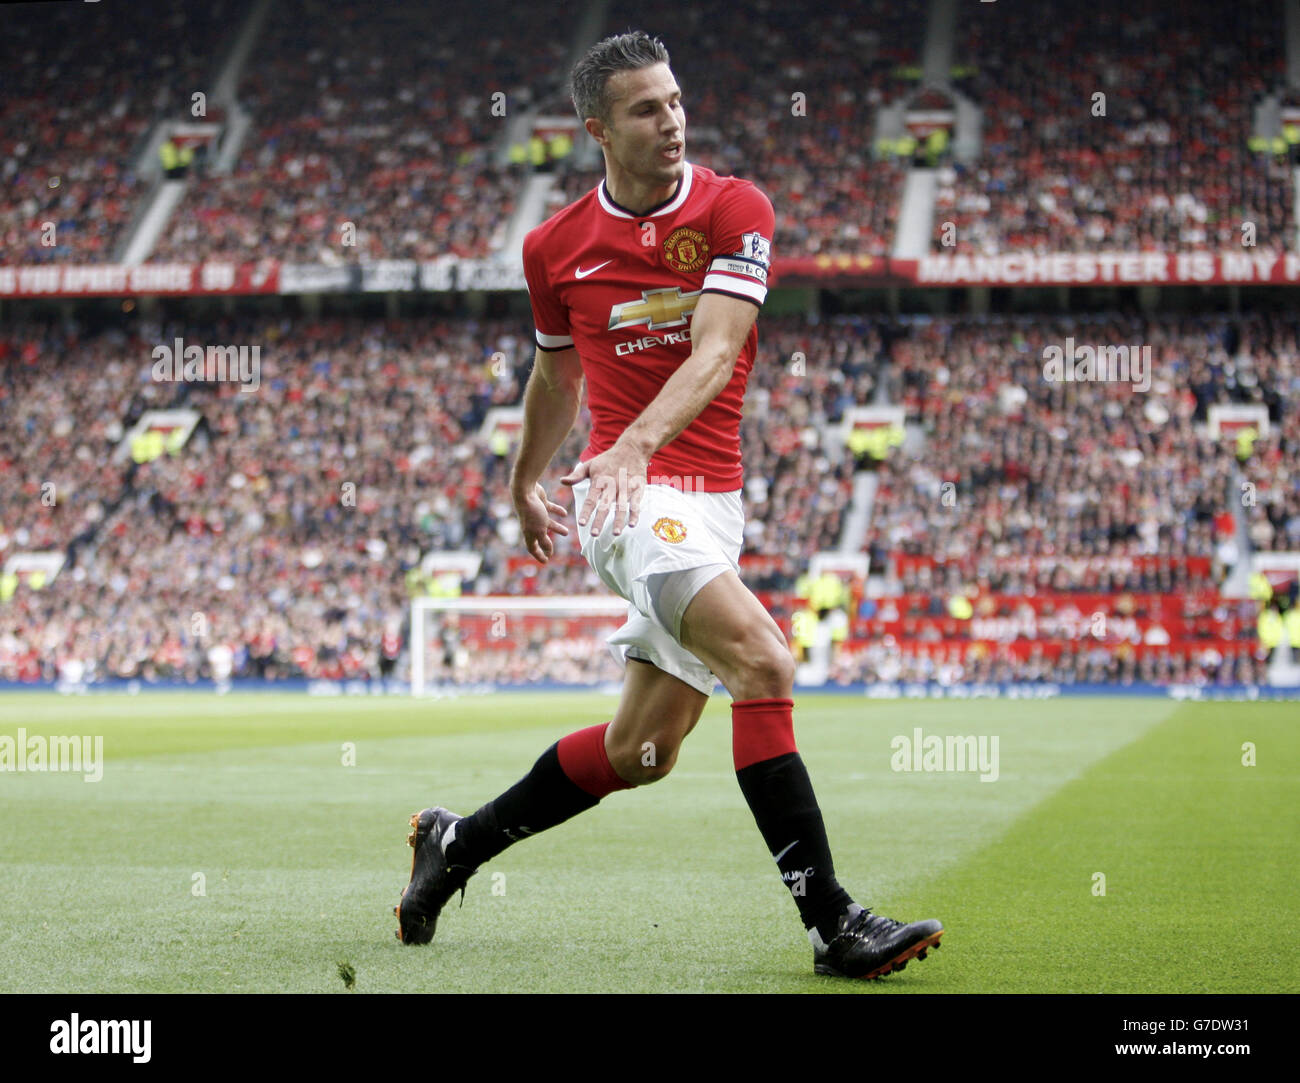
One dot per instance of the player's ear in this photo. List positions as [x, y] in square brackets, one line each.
[596, 128]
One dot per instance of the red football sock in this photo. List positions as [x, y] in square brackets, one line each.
[584, 760]
[761, 729]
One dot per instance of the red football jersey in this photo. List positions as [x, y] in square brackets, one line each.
[622, 287]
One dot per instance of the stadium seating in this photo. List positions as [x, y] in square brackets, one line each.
[288, 524]
[383, 120]
[377, 117]
[1166, 167]
[72, 108]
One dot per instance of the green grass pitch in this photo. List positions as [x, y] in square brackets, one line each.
[229, 848]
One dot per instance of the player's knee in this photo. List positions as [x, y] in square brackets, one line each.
[781, 666]
[647, 762]
[646, 775]
[764, 667]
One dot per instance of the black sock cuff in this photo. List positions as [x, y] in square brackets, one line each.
[548, 766]
[756, 772]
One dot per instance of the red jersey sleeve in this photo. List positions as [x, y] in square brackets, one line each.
[740, 234]
[550, 317]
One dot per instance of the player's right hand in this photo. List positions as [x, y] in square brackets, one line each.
[538, 520]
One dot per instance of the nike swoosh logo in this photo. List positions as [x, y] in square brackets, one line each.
[777, 857]
[580, 273]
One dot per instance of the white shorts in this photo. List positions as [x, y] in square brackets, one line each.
[682, 541]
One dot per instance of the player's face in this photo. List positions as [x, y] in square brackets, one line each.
[646, 133]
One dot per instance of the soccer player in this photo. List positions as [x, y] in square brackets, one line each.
[648, 288]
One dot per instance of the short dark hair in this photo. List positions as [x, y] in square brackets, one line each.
[623, 52]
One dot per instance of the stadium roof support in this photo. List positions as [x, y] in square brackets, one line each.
[916, 215]
[223, 92]
[940, 35]
[163, 200]
[529, 213]
[1293, 43]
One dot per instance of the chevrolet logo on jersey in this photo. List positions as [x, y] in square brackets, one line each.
[656, 309]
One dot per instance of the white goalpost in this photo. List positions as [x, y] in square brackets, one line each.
[513, 641]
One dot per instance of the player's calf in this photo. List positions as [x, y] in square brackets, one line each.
[656, 713]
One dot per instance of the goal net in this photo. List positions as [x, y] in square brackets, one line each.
[505, 641]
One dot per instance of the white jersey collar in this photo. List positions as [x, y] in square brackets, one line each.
[683, 190]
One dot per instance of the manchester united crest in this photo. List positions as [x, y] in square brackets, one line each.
[686, 249]
[669, 530]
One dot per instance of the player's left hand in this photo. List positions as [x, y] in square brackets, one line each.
[617, 478]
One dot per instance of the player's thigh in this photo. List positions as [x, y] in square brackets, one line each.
[656, 708]
[730, 631]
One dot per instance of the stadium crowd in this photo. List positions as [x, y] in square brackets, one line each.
[1006, 464]
[1119, 126]
[801, 127]
[72, 112]
[296, 516]
[290, 529]
[374, 138]
[381, 118]
[62, 425]
[1074, 664]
